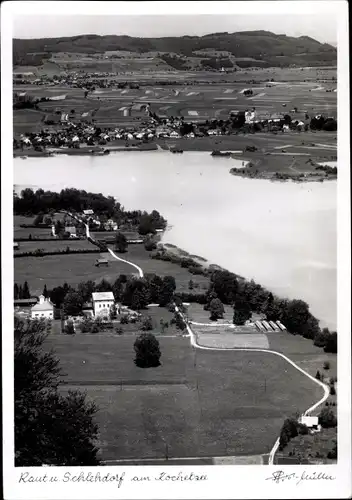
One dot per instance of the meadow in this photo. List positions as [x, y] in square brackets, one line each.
[208, 403]
[55, 270]
[208, 100]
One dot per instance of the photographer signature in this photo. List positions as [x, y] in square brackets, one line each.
[280, 476]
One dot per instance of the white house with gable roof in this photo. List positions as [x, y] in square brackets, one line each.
[102, 303]
[44, 309]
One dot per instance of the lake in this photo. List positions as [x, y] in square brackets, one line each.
[284, 235]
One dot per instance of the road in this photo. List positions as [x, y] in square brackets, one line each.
[193, 341]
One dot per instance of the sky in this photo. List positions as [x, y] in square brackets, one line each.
[318, 26]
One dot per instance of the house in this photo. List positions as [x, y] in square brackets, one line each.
[71, 230]
[101, 262]
[311, 422]
[88, 212]
[43, 309]
[102, 303]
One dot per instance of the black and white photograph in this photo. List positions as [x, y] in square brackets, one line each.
[176, 192]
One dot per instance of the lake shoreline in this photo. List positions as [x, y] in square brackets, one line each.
[277, 241]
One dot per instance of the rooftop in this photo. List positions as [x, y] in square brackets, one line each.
[102, 296]
[44, 306]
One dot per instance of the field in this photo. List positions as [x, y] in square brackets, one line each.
[208, 404]
[303, 352]
[207, 99]
[55, 270]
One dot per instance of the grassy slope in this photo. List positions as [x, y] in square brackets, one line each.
[230, 413]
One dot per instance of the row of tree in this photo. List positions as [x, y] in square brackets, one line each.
[21, 291]
[247, 297]
[135, 293]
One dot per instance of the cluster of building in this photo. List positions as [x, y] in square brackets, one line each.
[99, 307]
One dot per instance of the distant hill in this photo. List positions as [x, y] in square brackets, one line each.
[259, 48]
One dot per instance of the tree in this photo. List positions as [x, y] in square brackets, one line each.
[163, 325]
[39, 219]
[225, 285]
[317, 375]
[121, 242]
[272, 308]
[296, 316]
[58, 294]
[59, 228]
[113, 312]
[72, 303]
[155, 286]
[167, 291]
[47, 220]
[49, 428]
[103, 286]
[147, 324]
[147, 351]
[45, 292]
[217, 310]
[327, 418]
[331, 343]
[150, 244]
[26, 293]
[15, 291]
[69, 328]
[85, 289]
[288, 431]
[20, 292]
[179, 322]
[190, 285]
[119, 286]
[241, 312]
[326, 365]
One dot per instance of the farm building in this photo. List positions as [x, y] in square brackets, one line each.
[102, 303]
[101, 262]
[311, 422]
[43, 309]
[25, 302]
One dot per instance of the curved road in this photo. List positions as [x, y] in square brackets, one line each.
[194, 344]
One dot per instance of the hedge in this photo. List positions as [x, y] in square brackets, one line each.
[39, 253]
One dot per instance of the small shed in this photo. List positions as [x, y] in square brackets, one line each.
[310, 422]
[101, 262]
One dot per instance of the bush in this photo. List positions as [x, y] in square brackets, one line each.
[147, 324]
[326, 365]
[332, 390]
[124, 319]
[147, 351]
[94, 328]
[289, 430]
[69, 328]
[317, 375]
[119, 330]
[327, 418]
